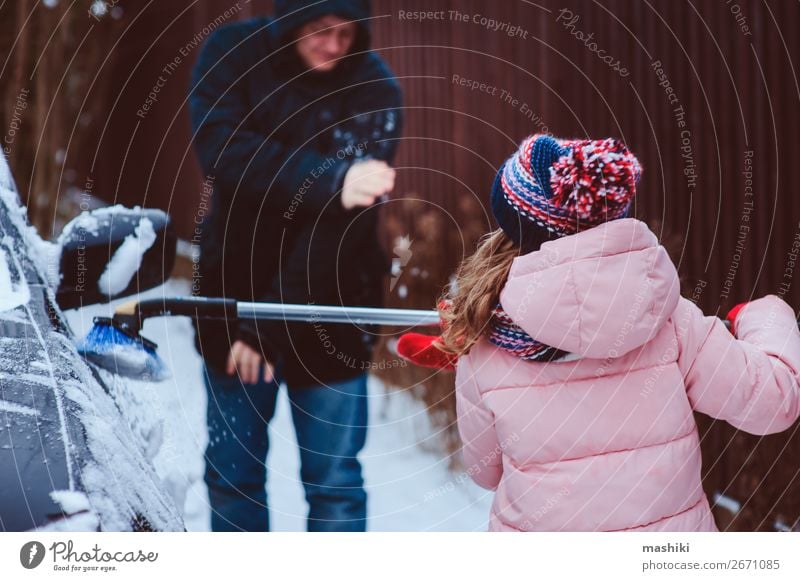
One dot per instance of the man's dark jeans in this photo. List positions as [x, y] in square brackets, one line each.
[331, 427]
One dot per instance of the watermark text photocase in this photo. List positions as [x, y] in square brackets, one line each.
[569, 20]
[352, 150]
[791, 262]
[505, 96]
[20, 105]
[203, 209]
[490, 24]
[738, 15]
[744, 226]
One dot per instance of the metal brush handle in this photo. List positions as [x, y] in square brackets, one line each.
[132, 315]
[331, 314]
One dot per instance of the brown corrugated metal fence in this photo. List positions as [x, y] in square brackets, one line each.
[711, 93]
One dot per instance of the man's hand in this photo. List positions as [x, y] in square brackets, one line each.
[365, 182]
[247, 362]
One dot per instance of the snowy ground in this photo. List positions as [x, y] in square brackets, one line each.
[410, 489]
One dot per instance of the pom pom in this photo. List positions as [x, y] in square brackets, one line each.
[596, 180]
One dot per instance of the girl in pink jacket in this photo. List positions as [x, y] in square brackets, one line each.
[579, 363]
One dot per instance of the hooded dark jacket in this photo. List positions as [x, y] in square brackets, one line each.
[276, 140]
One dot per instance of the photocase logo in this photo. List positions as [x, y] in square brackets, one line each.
[403, 254]
[32, 554]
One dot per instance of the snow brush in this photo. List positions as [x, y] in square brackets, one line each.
[123, 353]
[116, 343]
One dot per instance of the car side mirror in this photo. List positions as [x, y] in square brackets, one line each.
[114, 252]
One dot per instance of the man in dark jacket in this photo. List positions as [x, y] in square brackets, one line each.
[295, 123]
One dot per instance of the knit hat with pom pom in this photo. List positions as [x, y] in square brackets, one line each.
[553, 188]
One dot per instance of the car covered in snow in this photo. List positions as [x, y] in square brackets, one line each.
[68, 458]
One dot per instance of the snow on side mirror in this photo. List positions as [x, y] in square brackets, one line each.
[114, 252]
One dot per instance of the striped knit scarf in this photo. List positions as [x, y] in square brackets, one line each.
[512, 338]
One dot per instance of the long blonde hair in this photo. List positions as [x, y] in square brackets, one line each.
[469, 302]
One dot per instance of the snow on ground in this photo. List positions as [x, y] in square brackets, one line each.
[410, 489]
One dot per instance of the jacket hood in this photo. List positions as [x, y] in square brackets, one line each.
[292, 14]
[600, 293]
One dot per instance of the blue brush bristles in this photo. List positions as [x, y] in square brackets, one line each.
[113, 350]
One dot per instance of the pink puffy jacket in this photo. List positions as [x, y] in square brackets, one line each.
[606, 440]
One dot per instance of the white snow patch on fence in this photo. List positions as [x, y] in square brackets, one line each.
[730, 504]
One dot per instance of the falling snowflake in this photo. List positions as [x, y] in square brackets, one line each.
[99, 8]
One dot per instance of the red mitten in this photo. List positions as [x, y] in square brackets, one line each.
[732, 314]
[421, 350]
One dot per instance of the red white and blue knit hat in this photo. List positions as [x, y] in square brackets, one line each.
[553, 188]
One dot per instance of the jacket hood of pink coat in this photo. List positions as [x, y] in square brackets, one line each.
[600, 293]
